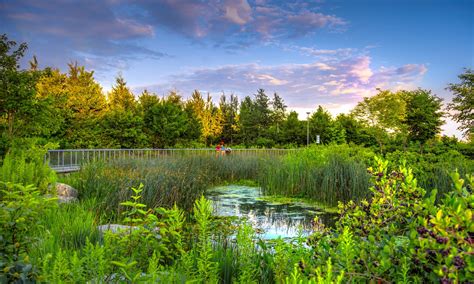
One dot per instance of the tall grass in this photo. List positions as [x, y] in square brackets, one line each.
[326, 174]
[167, 180]
[67, 228]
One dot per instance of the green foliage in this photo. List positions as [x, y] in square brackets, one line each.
[123, 129]
[206, 269]
[399, 236]
[76, 224]
[28, 167]
[166, 123]
[121, 98]
[423, 115]
[169, 180]
[442, 239]
[463, 102]
[149, 232]
[246, 254]
[20, 208]
[325, 173]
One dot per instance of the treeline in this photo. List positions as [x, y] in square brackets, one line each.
[72, 110]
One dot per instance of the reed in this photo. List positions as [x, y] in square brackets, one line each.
[168, 180]
[326, 174]
[67, 228]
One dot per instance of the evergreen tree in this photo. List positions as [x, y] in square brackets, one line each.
[278, 116]
[262, 113]
[209, 116]
[293, 130]
[121, 98]
[320, 123]
[165, 123]
[147, 100]
[229, 110]
[85, 105]
[247, 122]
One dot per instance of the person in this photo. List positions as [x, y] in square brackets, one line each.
[218, 149]
[222, 148]
[228, 150]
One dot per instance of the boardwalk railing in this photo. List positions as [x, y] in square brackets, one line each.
[72, 159]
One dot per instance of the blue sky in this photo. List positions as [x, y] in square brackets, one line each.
[330, 53]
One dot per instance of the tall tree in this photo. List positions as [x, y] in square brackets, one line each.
[229, 110]
[166, 123]
[209, 116]
[147, 100]
[262, 113]
[462, 104]
[423, 115]
[320, 124]
[247, 122]
[123, 129]
[17, 92]
[86, 105]
[383, 114]
[278, 111]
[120, 97]
[292, 130]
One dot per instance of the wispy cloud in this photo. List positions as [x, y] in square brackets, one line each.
[238, 20]
[81, 31]
[340, 82]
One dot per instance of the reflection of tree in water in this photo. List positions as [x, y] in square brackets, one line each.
[275, 219]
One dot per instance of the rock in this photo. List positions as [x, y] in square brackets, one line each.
[115, 228]
[66, 193]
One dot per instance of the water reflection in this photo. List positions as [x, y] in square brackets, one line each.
[271, 220]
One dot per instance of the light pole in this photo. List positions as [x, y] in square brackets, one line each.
[307, 129]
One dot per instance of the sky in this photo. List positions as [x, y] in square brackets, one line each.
[329, 53]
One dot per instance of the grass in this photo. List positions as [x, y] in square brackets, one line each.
[168, 180]
[325, 174]
[67, 227]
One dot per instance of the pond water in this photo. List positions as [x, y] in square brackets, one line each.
[271, 220]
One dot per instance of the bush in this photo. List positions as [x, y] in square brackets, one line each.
[20, 209]
[28, 167]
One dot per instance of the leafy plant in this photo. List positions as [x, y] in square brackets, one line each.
[20, 209]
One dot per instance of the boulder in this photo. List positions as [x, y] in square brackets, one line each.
[66, 193]
[115, 228]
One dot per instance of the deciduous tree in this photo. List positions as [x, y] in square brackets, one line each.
[462, 104]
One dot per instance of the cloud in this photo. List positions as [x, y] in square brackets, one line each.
[111, 31]
[339, 82]
[237, 12]
[237, 20]
[79, 31]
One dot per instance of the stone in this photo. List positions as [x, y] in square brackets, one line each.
[115, 228]
[66, 193]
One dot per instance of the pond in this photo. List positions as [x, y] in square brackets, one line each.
[270, 219]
